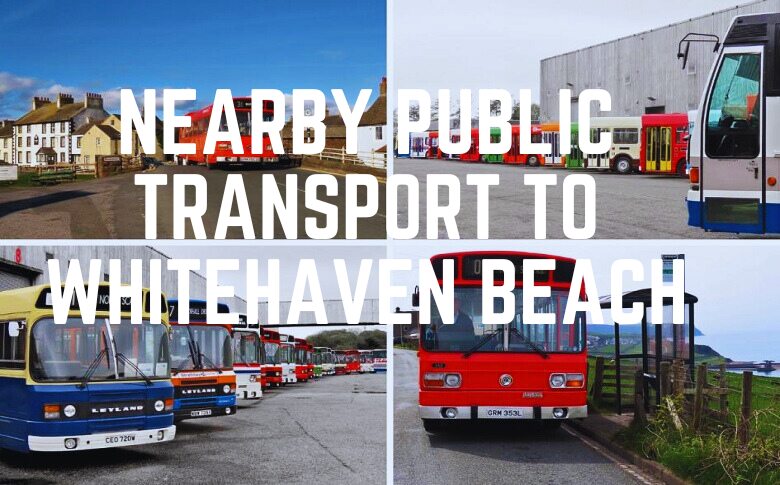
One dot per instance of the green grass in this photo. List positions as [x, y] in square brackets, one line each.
[26, 180]
[714, 455]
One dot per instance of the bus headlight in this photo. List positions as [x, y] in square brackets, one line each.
[159, 406]
[567, 380]
[559, 413]
[226, 389]
[557, 380]
[71, 443]
[440, 379]
[161, 433]
[69, 411]
[452, 380]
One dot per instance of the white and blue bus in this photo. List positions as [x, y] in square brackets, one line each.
[735, 143]
[74, 386]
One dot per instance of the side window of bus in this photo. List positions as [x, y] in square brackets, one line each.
[733, 117]
[625, 136]
[12, 338]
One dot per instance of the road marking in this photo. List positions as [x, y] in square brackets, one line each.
[626, 467]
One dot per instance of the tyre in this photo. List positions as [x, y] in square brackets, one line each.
[681, 169]
[623, 165]
[433, 425]
[533, 161]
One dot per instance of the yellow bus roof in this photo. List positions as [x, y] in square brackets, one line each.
[23, 300]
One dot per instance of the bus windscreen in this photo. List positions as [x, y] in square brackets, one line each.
[65, 353]
[469, 335]
[201, 347]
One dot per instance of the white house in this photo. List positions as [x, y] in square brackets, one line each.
[6, 140]
[44, 135]
[372, 130]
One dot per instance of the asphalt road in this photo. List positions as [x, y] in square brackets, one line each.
[328, 431]
[113, 207]
[627, 206]
[502, 453]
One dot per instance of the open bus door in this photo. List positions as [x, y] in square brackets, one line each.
[733, 189]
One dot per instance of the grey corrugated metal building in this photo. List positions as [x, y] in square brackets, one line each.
[641, 72]
[22, 266]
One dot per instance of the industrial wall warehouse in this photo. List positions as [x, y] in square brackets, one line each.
[22, 266]
[642, 72]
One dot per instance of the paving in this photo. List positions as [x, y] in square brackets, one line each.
[331, 430]
[113, 207]
[502, 453]
[627, 206]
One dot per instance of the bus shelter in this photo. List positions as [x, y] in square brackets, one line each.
[665, 342]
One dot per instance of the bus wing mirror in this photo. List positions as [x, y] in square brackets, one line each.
[416, 297]
[13, 329]
[684, 54]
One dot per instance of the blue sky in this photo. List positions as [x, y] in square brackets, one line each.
[51, 46]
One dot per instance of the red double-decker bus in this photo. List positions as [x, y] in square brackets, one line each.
[514, 155]
[664, 143]
[223, 155]
[271, 370]
[470, 371]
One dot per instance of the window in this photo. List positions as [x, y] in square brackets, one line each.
[97, 141]
[379, 132]
[733, 117]
[62, 126]
[27, 157]
[29, 140]
[628, 136]
[18, 157]
[62, 142]
[44, 142]
[62, 157]
[35, 140]
[53, 127]
[49, 256]
[78, 142]
[12, 347]
[44, 128]
[680, 134]
[18, 141]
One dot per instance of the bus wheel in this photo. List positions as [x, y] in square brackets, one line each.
[533, 161]
[623, 165]
[432, 425]
[681, 168]
[551, 424]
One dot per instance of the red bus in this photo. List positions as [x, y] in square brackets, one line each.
[514, 155]
[433, 147]
[309, 360]
[352, 360]
[470, 371]
[341, 362]
[664, 143]
[301, 364]
[223, 155]
[271, 370]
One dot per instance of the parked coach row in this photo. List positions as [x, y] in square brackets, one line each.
[654, 143]
[74, 386]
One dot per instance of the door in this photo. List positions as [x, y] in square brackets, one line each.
[658, 149]
[732, 163]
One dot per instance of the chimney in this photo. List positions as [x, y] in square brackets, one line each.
[383, 87]
[93, 100]
[63, 99]
[39, 101]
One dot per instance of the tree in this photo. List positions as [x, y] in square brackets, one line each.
[536, 112]
[347, 339]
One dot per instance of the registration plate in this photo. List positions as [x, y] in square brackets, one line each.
[205, 412]
[500, 413]
[120, 438]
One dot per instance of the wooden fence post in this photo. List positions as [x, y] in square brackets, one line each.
[639, 398]
[747, 402]
[598, 380]
[666, 379]
[698, 401]
[723, 397]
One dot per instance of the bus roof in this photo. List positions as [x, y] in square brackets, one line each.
[616, 122]
[561, 274]
[22, 300]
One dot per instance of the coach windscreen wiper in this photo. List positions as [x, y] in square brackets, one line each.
[485, 339]
[529, 343]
